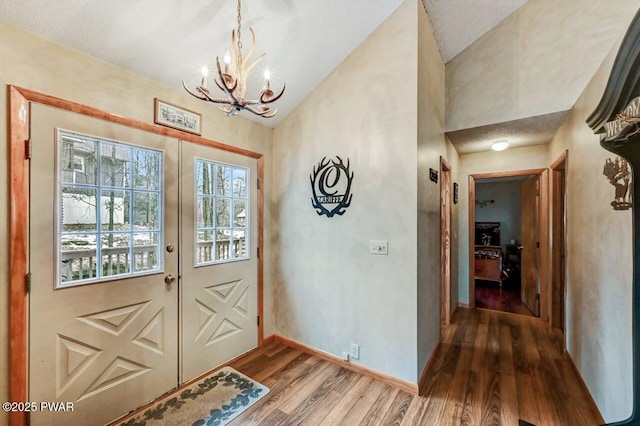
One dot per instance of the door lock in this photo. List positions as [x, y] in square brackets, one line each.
[170, 248]
[169, 279]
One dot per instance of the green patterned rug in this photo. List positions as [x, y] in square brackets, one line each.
[213, 401]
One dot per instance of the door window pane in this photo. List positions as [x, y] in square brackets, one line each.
[78, 161]
[115, 164]
[223, 213]
[145, 211]
[114, 210]
[115, 253]
[107, 227]
[145, 251]
[222, 225]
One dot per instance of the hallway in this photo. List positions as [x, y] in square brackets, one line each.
[493, 368]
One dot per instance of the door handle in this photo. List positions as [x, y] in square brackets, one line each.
[169, 279]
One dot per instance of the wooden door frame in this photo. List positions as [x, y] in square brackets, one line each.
[445, 285]
[19, 123]
[544, 231]
[561, 163]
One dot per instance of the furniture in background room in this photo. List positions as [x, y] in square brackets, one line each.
[511, 264]
[488, 263]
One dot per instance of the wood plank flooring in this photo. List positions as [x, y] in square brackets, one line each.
[493, 369]
[507, 299]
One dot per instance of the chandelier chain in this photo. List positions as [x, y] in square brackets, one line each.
[239, 26]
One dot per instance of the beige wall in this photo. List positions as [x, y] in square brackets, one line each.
[534, 157]
[431, 145]
[599, 262]
[521, 68]
[40, 65]
[329, 291]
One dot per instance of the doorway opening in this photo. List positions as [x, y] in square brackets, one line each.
[507, 246]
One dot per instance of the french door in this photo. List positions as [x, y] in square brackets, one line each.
[108, 236]
[219, 258]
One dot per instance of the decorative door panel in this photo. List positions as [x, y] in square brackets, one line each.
[102, 322]
[219, 258]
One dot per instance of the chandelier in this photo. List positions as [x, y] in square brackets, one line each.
[232, 79]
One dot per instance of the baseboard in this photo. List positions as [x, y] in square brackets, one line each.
[591, 402]
[463, 305]
[358, 368]
[429, 367]
[268, 340]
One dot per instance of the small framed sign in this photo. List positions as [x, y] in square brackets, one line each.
[455, 193]
[170, 115]
[433, 175]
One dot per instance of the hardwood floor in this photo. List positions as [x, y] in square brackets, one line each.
[507, 299]
[492, 369]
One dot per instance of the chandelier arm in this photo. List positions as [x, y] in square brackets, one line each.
[215, 80]
[254, 63]
[195, 95]
[228, 90]
[256, 112]
[271, 114]
[253, 44]
[219, 100]
[273, 99]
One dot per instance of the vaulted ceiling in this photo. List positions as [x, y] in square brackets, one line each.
[168, 40]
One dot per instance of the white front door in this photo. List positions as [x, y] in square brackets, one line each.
[116, 213]
[219, 258]
[102, 321]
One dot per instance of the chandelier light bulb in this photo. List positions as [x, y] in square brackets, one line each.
[267, 74]
[205, 74]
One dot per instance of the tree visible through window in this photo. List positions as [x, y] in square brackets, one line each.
[222, 205]
[110, 209]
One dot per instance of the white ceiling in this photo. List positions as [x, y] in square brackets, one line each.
[169, 40]
[458, 23]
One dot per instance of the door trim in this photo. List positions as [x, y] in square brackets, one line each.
[557, 200]
[19, 120]
[544, 231]
[445, 282]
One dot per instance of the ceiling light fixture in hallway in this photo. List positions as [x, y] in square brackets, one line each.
[500, 145]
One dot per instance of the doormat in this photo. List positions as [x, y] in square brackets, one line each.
[213, 401]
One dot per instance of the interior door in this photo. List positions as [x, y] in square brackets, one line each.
[558, 267]
[530, 231]
[219, 258]
[445, 247]
[102, 320]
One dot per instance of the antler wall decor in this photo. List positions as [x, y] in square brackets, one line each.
[619, 175]
[233, 80]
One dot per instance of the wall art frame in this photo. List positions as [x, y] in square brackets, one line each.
[170, 115]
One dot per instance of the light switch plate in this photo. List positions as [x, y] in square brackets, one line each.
[378, 247]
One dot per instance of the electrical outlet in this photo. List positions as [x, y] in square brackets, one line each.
[355, 351]
[378, 247]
